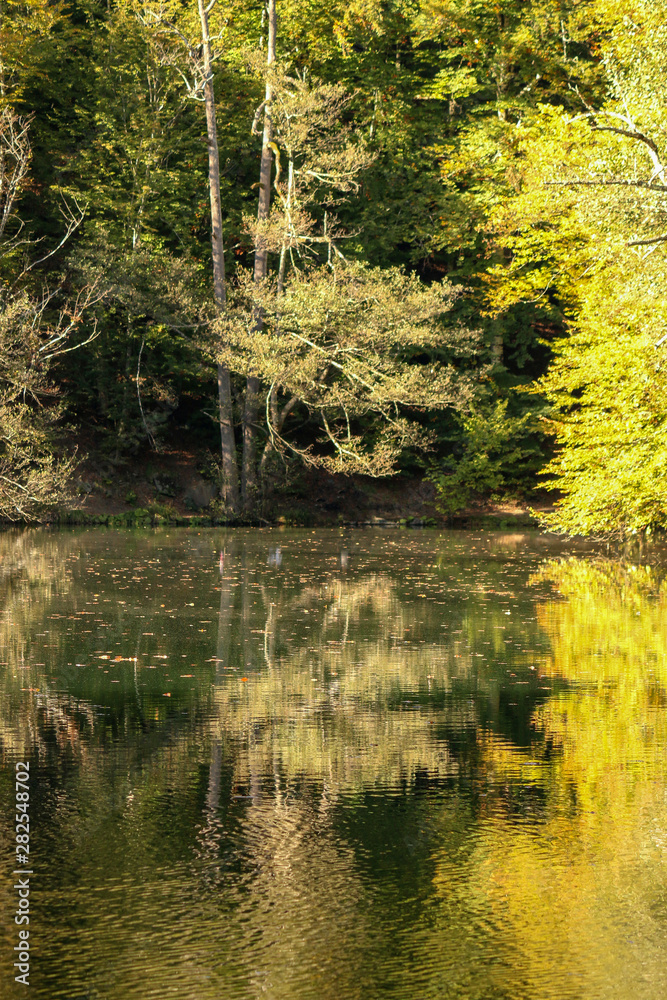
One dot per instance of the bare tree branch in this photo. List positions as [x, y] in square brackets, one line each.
[649, 242]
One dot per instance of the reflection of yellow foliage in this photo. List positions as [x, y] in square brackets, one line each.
[609, 640]
[504, 762]
[559, 898]
[612, 622]
[559, 888]
[33, 568]
[534, 857]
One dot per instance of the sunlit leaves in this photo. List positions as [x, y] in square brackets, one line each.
[588, 226]
[342, 341]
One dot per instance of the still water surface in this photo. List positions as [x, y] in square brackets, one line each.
[335, 765]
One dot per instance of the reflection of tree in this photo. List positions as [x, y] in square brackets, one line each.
[329, 702]
[351, 693]
[574, 909]
[609, 639]
[353, 680]
[34, 567]
[305, 908]
[575, 880]
[353, 751]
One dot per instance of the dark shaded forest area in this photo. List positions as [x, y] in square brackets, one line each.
[304, 245]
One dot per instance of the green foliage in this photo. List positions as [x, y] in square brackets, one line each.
[514, 148]
[166, 511]
[143, 359]
[494, 453]
[35, 321]
[33, 476]
[344, 342]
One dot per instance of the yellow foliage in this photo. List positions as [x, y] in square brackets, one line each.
[588, 229]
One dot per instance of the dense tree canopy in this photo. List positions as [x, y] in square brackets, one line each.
[597, 244]
[437, 243]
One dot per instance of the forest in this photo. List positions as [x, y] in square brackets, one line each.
[372, 237]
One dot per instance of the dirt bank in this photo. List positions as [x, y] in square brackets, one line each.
[178, 485]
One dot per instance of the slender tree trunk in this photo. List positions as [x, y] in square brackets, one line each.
[125, 399]
[249, 481]
[230, 476]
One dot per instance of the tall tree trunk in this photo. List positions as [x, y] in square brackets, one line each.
[230, 475]
[124, 416]
[249, 481]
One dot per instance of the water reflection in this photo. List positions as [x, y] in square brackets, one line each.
[337, 764]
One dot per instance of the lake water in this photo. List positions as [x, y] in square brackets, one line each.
[334, 765]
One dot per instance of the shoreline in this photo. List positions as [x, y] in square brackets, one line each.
[468, 520]
[180, 487]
